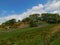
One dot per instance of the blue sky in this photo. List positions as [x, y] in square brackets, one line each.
[18, 6]
[20, 9]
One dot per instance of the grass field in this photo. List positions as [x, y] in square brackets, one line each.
[45, 35]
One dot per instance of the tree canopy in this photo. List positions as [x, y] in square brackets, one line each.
[9, 22]
[34, 19]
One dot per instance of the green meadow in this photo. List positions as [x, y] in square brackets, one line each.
[31, 36]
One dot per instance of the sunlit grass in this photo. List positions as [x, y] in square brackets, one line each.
[26, 36]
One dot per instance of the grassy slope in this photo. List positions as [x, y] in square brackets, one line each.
[28, 36]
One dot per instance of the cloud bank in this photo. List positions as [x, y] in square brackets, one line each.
[52, 6]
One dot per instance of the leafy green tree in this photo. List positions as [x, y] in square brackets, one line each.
[34, 17]
[9, 22]
[34, 20]
[50, 18]
[19, 21]
[26, 19]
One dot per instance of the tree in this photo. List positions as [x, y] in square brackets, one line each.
[34, 20]
[34, 17]
[26, 19]
[9, 22]
[50, 18]
[19, 21]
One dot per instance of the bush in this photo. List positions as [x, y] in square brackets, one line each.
[33, 24]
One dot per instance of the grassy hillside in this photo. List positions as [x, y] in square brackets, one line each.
[46, 35]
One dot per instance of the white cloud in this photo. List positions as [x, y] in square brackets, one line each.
[52, 7]
[40, 6]
[57, 11]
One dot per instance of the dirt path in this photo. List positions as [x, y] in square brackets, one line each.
[51, 34]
